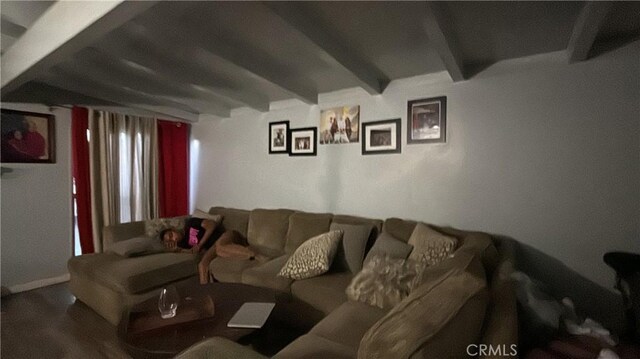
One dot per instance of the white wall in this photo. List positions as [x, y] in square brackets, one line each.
[538, 150]
[36, 213]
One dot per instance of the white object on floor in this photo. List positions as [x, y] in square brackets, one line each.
[251, 315]
[607, 354]
[588, 327]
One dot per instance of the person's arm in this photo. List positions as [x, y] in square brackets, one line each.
[209, 226]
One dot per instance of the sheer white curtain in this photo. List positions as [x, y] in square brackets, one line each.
[124, 170]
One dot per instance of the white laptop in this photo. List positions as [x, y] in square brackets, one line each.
[251, 315]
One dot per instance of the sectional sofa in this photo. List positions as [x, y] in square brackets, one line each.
[438, 319]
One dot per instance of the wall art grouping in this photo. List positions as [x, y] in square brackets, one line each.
[426, 123]
[27, 137]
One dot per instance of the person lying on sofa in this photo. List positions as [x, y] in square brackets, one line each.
[197, 235]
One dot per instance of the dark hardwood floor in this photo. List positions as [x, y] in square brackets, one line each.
[49, 323]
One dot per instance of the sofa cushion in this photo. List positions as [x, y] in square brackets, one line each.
[219, 348]
[386, 244]
[229, 270]
[311, 346]
[325, 292]
[451, 304]
[376, 223]
[348, 323]
[232, 219]
[399, 228]
[429, 245]
[313, 257]
[385, 281]
[354, 243]
[267, 230]
[138, 246]
[134, 275]
[266, 275]
[303, 226]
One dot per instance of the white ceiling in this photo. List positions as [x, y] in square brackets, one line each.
[185, 59]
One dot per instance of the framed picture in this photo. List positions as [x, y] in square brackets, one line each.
[427, 120]
[27, 137]
[303, 141]
[379, 137]
[278, 137]
[340, 125]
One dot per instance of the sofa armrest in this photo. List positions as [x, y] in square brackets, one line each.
[219, 348]
[120, 232]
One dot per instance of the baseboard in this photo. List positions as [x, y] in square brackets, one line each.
[38, 283]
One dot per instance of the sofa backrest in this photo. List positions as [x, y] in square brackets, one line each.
[120, 232]
[399, 228]
[303, 225]
[267, 231]
[233, 219]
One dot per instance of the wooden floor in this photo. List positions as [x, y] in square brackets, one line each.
[50, 323]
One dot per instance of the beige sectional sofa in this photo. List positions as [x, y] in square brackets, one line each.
[487, 316]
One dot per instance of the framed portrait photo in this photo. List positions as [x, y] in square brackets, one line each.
[27, 137]
[427, 120]
[340, 125]
[380, 137]
[303, 141]
[279, 137]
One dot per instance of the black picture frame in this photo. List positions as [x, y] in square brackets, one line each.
[427, 120]
[27, 137]
[279, 140]
[304, 141]
[381, 137]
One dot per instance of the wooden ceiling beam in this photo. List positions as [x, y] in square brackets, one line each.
[124, 97]
[65, 28]
[586, 29]
[162, 59]
[441, 36]
[370, 78]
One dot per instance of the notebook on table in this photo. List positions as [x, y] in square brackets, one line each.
[251, 315]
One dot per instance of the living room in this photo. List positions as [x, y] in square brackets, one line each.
[538, 150]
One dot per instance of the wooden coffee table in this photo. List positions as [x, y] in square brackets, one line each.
[159, 340]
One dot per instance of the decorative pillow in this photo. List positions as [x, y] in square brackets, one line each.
[313, 257]
[204, 215]
[384, 281]
[387, 244]
[137, 246]
[354, 243]
[153, 227]
[430, 246]
[451, 303]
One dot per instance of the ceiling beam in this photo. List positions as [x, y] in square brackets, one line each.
[104, 68]
[38, 92]
[586, 29]
[165, 62]
[123, 97]
[441, 36]
[10, 28]
[294, 14]
[66, 27]
[251, 62]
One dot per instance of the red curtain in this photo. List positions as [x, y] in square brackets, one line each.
[80, 152]
[173, 168]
